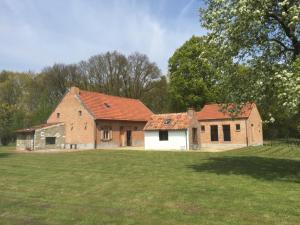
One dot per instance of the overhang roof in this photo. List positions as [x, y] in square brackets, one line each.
[33, 128]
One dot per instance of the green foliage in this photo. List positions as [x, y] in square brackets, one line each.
[195, 72]
[263, 39]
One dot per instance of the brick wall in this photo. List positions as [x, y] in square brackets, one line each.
[119, 129]
[238, 138]
[79, 128]
[254, 128]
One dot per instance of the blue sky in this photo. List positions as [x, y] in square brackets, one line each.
[39, 33]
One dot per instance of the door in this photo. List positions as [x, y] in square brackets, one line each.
[128, 137]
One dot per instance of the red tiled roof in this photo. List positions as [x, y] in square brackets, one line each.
[33, 128]
[215, 111]
[177, 121]
[109, 107]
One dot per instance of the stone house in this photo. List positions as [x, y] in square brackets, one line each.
[90, 120]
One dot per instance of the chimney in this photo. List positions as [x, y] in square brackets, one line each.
[74, 90]
[191, 112]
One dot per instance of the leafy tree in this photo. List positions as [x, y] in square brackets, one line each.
[255, 28]
[263, 38]
[195, 71]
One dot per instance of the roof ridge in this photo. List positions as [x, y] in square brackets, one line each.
[114, 96]
[165, 114]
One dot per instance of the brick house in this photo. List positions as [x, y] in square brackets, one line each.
[92, 120]
[220, 129]
[215, 128]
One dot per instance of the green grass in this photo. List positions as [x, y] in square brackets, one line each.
[258, 185]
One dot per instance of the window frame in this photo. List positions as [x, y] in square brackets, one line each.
[106, 133]
[163, 135]
[49, 141]
[238, 127]
[202, 128]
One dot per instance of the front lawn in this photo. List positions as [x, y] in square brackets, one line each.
[258, 185]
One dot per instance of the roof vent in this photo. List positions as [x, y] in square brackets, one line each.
[107, 105]
[167, 121]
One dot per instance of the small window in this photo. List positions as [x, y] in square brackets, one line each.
[195, 136]
[167, 121]
[163, 135]
[50, 140]
[238, 127]
[202, 128]
[57, 115]
[85, 125]
[106, 133]
[79, 113]
[214, 136]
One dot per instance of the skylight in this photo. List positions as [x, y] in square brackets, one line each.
[167, 121]
[107, 105]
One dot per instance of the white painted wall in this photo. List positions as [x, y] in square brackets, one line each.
[177, 140]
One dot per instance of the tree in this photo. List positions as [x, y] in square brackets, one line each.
[195, 71]
[262, 36]
[6, 120]
[251, 28]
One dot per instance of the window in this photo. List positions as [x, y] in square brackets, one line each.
[57, 115]
[106, 134]
[79, 113]
[50, 140]
[226, 133]
[195, 136]
[238, 127]
[167, 121]
[214, 136]
[107, 105]
[202, 128]
[163, 135]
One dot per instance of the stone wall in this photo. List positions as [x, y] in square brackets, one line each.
[57, 131]
[25, 141]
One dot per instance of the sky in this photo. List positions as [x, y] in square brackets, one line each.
[35, 34]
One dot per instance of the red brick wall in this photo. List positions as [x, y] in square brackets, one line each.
[119, 129]
[254, 124]
[79, 129]
[237, 137]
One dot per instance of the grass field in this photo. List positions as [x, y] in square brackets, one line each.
[259, 185]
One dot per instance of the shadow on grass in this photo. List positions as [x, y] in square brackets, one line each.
[256, 167]
[5, 154]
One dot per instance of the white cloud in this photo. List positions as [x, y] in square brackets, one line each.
[36, 35]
